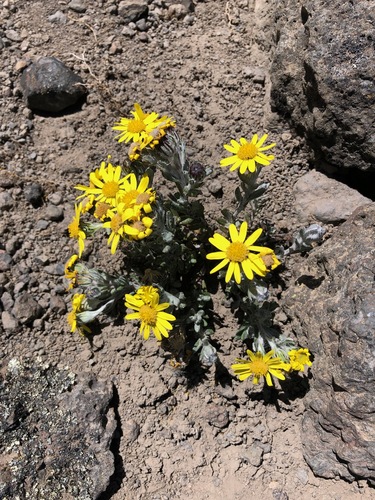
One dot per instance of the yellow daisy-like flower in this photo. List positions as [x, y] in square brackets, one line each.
[75, 230]
[298, 359]
[137, 128]
[139, 229]
[138, 194]
[144, 129]
[268, 258]
[260, 366]
[160, 130]
[116, 224]
[70, 273]
[247, 154]
[146, 294]
[107, 186]
[73, 320]
[151, 315]
[237, 253]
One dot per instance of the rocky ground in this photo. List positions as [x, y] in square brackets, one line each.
[194, 433]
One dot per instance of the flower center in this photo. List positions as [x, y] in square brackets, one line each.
[148, 315]
[116, 223]
[237, 252]
[101, 209]
[74, 229]
[110, 189]
[267, 259]
[138, 224]
[259, 367]
[247, 151]
[142, 198]
[136, 126]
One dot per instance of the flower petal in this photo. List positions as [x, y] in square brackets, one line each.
[219, 242]
[253, 237]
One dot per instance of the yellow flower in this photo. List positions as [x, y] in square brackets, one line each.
[160, 130]
[139, 229]
[144, 129]
[106, 184]
[266, 258]
[116, 224]
[151, 315]
[138, 194]
[237, 253]
[73, 320]
[298, 359]
[70, 273]
[146, 294]
[137, 128]
[75, 231]
[247, 154]
[260, 366]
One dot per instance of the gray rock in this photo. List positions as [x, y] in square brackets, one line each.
[58, 17]
[5, 261]
[7, 301]
[132, 10]
[13, 244]
[26, 309]
[57, 304]
[188, 4]
[13, 36]
[54, 213]
[325, 199]
[332, 312]
[48, 85]
[77, 6]
[34, 194]
[6, 201]
[130, 430]
[217, 416]
[9, 323]
[56, 430]
[323, 77]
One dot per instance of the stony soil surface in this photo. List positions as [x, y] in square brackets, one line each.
[186, 434]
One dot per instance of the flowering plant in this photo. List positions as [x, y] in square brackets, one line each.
[168, 244]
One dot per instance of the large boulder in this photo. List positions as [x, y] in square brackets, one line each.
[332, 312]
[323, 78]
[48, 85]
[56, 433]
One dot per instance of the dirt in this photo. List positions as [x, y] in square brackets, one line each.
[202, 433]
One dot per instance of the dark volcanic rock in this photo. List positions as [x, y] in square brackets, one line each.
[48, 85]
[332, 309]
[323, 77]
[56, 433]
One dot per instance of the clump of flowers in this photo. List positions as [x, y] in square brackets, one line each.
[172, 250]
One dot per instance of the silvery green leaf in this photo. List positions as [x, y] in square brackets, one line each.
[303, 240]
[197, 345]
[208, 354]
[88, 316]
